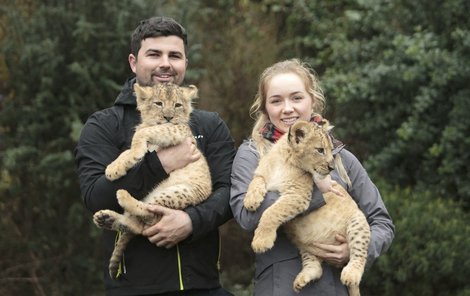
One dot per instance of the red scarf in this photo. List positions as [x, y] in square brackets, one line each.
[272, 133]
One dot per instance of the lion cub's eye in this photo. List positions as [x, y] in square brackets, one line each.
[178, 105]
[321, 150]
[159, 104]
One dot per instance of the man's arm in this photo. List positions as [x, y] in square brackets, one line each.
[219, 152]
[100, 143]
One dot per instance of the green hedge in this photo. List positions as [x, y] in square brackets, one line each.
[429, 255]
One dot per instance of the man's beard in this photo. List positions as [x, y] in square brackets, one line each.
[172, 75]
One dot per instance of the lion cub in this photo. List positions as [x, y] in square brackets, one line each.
[165, 111]
[290, 167]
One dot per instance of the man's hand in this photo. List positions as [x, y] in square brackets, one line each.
[178, 156]
[173, 227]
[335, 255]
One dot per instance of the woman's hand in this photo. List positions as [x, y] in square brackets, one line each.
[327, 185]
[336, 255]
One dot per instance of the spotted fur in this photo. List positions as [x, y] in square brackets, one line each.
[300, 156]
[165, 111]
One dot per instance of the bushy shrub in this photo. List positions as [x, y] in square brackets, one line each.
[429, 253]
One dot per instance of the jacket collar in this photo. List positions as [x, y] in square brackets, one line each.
[127, 96]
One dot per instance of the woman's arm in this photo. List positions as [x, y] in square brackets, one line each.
[368, 197]
[244, 166]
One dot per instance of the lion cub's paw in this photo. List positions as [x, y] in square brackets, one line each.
[253, 199]
[303, 278]
[351, 276]
[105, 219]
[114, 171]
[124, 198]
[263, 240]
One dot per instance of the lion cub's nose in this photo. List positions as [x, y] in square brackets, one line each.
[168, 118]
[331, 166]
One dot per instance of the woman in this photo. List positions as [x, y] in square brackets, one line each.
[289, 91]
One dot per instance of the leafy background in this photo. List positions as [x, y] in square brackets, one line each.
[396, 76]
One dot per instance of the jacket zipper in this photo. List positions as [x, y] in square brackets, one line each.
[180, 273]
[122, 263]
[220, 253]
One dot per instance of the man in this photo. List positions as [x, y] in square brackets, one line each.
[179, 254]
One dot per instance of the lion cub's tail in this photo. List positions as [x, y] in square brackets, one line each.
[115, 268]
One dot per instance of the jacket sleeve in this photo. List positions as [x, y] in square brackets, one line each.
[101, 141]
[244, 165]
[219, 152]
[367, 196]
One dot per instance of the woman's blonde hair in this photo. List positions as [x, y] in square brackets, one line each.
[258, 109]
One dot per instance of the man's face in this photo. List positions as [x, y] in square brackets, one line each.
[159, 60]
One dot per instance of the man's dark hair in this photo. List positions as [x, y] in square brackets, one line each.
[156, 27]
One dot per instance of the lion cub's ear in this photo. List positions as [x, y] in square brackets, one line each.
[143, 92]
[298, 131]
[324, 123]
[189, 91]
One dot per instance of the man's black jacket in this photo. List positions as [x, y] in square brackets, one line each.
[193, 264]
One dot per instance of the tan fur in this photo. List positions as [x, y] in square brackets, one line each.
[290, 168]
[165, 111]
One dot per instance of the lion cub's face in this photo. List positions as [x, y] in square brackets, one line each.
[311, 147]
[164, 103]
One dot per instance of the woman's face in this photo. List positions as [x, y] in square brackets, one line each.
[287, 100]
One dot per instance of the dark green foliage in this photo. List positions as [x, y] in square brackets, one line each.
[395, 74]
[402, 100]
[429, 253]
